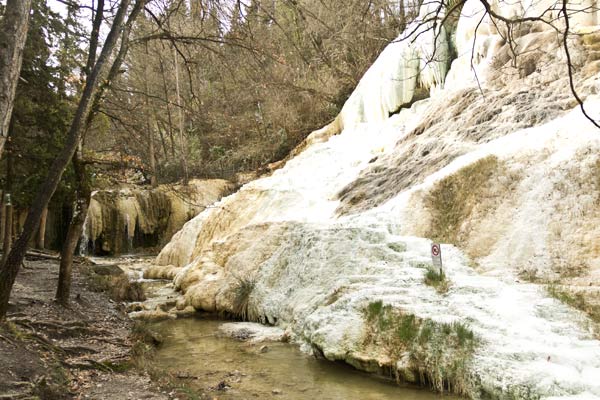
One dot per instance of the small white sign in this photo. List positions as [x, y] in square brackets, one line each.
[436, 255]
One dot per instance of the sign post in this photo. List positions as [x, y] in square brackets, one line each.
[436, 256]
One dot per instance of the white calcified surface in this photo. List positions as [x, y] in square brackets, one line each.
[252, 332]
[315, 272]
[411, 61]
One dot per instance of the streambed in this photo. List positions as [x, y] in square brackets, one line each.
[194, 349]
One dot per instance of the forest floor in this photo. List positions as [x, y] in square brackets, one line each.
[89, 350]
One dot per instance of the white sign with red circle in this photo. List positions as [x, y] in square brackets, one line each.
[436, 255]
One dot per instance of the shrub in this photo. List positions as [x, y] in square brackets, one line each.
[241, 301]
[119, 287]
[437, 279]
[453, 198]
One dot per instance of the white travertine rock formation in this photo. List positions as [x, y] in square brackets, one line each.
[344, 223]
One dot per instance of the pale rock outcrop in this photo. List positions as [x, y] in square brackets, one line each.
[338, 231]
[121, 220]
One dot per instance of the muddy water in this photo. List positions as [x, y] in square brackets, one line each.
[230, 369]
[194, 349]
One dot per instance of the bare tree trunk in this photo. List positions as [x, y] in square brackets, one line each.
[13, 34]
[149, 130]
[84, 190]
[153, 180]
[41, 237]
[84, 194]
[184, 167]
[162, 137]
[169, 116]
[10, 267]
[97, 18]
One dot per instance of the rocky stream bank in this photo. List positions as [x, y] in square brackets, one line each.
[89, 350]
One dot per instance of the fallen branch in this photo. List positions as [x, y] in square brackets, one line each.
[7, 339]
[41, 255]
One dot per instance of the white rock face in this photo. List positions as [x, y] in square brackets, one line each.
[314, 272]
[418, 59]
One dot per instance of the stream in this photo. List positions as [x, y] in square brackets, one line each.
[195, 350]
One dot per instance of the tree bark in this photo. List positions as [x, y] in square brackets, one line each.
[166, 90]
[13, 34]
[149, 130]
[8, 211]
[97, 18]
[2, 219]
[181, 122]
[10, 267]
[84, 194]
[40, 242]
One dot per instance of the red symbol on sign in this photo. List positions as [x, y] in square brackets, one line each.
[435, 250]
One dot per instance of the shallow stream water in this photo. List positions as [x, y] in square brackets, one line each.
[235, 370]
[194, 350]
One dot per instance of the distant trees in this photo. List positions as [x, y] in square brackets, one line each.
[224, 87]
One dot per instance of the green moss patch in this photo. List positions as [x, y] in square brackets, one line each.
[431, 353]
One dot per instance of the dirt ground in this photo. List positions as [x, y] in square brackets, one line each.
[82, 352]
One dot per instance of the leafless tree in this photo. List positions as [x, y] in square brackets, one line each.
[124, 17]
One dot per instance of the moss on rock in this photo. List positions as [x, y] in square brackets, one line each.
[422, 350]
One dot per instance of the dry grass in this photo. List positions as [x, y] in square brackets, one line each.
[436, 279]
[241, 302]
[119, 288]
[454, 198]
[576, 300]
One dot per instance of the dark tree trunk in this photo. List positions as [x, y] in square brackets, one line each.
[84, 194]
[13, 34]
[10, 268]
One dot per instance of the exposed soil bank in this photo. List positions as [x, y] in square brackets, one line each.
[84, 351]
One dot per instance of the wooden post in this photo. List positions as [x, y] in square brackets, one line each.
[8, 226]
[2, 219]
[41, 237]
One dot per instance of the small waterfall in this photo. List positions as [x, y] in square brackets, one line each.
[129, 233]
